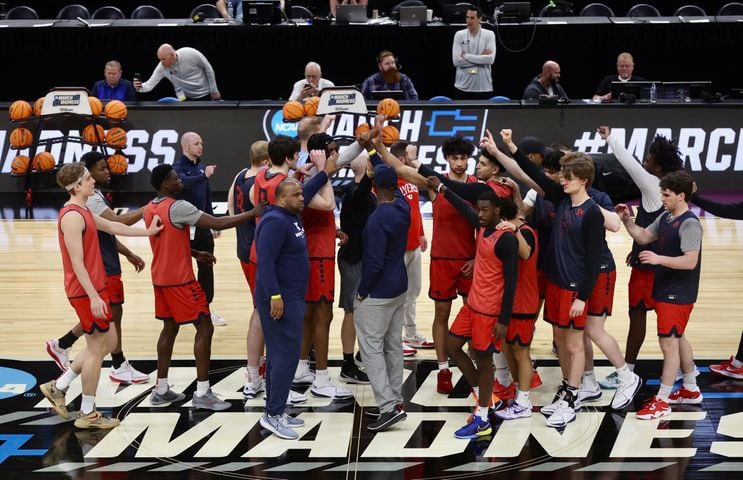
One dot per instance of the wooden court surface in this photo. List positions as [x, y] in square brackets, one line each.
[35, 308]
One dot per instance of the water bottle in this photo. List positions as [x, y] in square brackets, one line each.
[653, 93]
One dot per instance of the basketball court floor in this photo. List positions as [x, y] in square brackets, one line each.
[178, 442]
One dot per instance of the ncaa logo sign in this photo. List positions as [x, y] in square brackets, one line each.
[15, 382]
[275, 125]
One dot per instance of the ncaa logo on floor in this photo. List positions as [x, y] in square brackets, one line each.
[15, 382]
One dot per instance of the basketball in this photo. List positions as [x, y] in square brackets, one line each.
[310, 106]
[363, 128]
[117, 164]
[388, 107]
[44, 161]
[293, 111]
[115, 110]
[20, 110]
[390, 135]
[116, 137]
[19, 165]
[96, 107]
[21, 138]
[38, 105]
[93, 134]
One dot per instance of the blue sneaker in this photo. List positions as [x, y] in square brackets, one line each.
[475, 429]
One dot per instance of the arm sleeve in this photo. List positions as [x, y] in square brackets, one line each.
[189, 181]
[183, 213]
[96, 204]
[645, 181]
[366, 88]
[296, 90]
[552, 191]
[725, 210]
[605, 86]
[131, 94]
[268, 245]
[456, 50]
[314, 185]
[592, 229]
[690, 233]
[157, 74]
[531, 198]
[348, 153]
[468, 191]
[507, 250]
[462, 207]
[531, 93]
[488, 59]
[374, 244]
[376, 159]
[409, 88]
[211, 78]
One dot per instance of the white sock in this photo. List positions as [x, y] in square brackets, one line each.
[499, 361]
[201, 388]
[664, 392]
[624, 373]
[504, 376]
[690, 381]
[737, 363]
[482, 413]
[476, 391]
[303, 365]
[88, 404]
[522, 398]
[589, 378]
[322, 377]
[161, 387]
[444, 365]
[631, 367]
[64, 380]
[253, 375]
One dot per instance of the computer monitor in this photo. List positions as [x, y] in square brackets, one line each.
[683, 90]
[412, 16]
[454, 14]
[351, 14]
[514, 12]
[393, 94]
[262, 12]
[631, 91]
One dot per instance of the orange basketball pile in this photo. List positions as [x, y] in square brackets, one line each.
[20, 110]
[388, 107]
[115, 110]
[310, 106]
[93, 134]
[19, 165]
[21, 138]
[293, 111]
[43, 162]
[116, 137]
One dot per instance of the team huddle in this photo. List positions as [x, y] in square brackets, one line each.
[483, 248]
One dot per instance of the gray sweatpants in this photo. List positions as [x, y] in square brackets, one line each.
[413, 267]
[379, 328]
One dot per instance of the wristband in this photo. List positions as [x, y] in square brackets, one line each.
[276, 297]
[438, 189]
[371, 152]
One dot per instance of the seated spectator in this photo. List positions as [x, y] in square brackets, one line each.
[230, 9]
[311, 84]
[625, 67]
[113, 87]
[546, 83]
[388, 78]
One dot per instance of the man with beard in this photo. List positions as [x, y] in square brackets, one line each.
[546, 83]
[388, 78]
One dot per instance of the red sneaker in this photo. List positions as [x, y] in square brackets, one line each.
[727, 369]
[688, 397]
[443, 384]
[502, 392]
[654, 408]
[536, 380]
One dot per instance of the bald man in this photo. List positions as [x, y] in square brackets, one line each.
[546, 83]
[311, 84]
[195, 177]
[187, 69]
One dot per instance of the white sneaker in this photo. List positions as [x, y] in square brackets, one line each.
[127, 374]
[218, 320]
[61, 356]
[611, 381]
[303, 376]
[407, 350]
[278, 426]
[680, 373]
[562, 415]
[293, 399]
[513, 411]
[589, 393]
[330, 390]
[252, 390]
[417, 341]
[626, 391]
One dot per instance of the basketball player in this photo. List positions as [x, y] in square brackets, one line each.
[121, 370]
[239, 201]
[677, 258]
[85, 281]
[179, 298]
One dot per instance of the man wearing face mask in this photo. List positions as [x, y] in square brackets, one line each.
[388, 78]
[546, 83]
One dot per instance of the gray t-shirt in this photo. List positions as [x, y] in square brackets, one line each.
[97, 203]
[690, 232]
[182, 213]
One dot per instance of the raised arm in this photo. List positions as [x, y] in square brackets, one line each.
[638, 234]
[508, 163]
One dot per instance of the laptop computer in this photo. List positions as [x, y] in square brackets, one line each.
[412, 16]
[350, 14]
[454, 14]
[262, 12]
